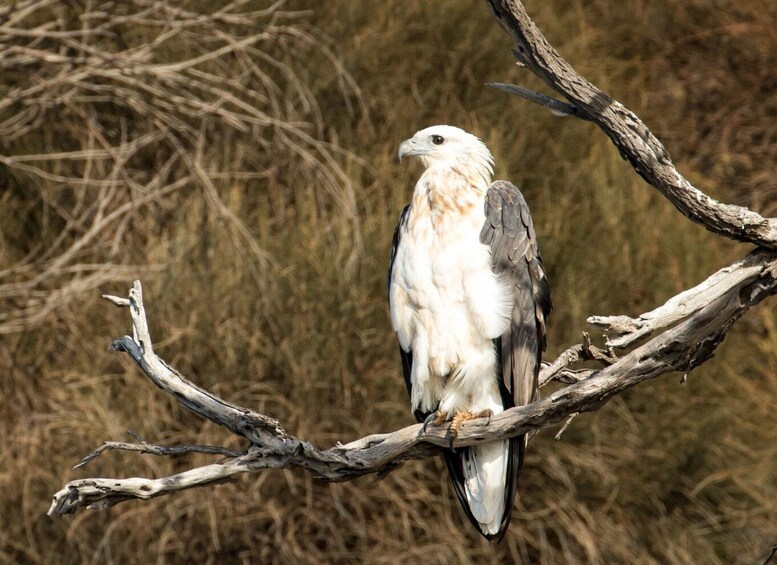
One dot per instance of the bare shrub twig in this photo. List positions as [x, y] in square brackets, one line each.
[104, 131]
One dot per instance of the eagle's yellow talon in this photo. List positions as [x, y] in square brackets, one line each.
[461, 416]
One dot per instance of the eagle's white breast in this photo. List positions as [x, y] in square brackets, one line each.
[446, 304]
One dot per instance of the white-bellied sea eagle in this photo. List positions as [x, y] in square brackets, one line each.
[468, 299]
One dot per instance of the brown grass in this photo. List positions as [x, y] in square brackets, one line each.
[243, 164]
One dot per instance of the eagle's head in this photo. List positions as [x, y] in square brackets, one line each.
[449, 147]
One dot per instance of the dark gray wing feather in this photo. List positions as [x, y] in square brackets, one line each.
[515, 254]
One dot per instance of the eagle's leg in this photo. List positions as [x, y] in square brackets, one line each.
[459, 417]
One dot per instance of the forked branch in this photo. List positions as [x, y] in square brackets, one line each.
[681, 348]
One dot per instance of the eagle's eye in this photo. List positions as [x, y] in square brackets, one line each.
[437, 139]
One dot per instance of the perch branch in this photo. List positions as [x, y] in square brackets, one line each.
[633, 139]
[688, 344]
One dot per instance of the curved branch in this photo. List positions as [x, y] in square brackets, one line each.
[255, 427]
[681, 348]
[633, 139]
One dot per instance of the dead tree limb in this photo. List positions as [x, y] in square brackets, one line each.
[688, 344]
[693, 324]
[634, 140]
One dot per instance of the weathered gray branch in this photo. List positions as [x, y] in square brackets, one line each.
[623, 331]
[144, 447]
[255, 427]
[633, 139]
[681, 348]
[700, 318]
[101, 493]
[558, 370]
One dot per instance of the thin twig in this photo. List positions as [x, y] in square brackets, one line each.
[566, 425]
[558, 107]
[144, 447]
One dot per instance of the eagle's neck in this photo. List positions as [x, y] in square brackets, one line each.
[446, 194]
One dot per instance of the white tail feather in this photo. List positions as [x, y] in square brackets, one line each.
[485, 476]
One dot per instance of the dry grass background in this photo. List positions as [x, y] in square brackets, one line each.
[242, 163]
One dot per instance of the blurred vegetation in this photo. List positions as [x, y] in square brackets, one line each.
[242, 162]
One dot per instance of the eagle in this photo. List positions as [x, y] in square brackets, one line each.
[468, 298]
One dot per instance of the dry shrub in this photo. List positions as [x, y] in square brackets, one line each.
[115, 115]
[228, 157]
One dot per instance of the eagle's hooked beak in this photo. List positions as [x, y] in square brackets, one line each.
[409, 148]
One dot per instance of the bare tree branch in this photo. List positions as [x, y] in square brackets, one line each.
[558, 371]
[623, 331]
[257, 428]
[101, 493]
[633, 139]
[681, 348]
